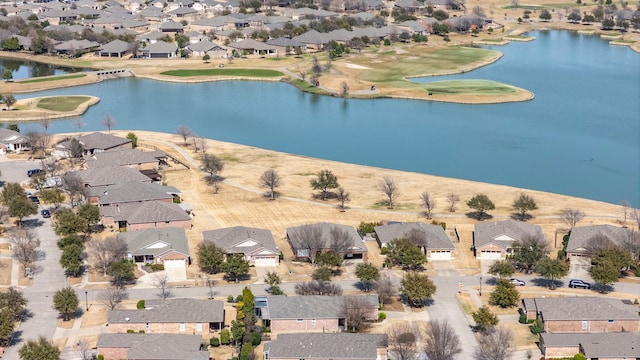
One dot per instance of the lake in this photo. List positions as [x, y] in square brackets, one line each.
[24, 69]
[580, 136]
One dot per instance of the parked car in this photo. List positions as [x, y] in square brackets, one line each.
[517, 282]
[45, 213]
[32, 172]
[34, 199]
[579, 284]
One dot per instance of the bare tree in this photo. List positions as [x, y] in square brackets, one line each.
[39, 141]
[452, 199]
[46, 123]
[78, 123]
[388, 187]
[74, 186]
[162, 284]
[440, 341]
[310, 236]
[184, 132]
[271, 180]
[636, 216]
[341, 241]
[84, 349]
[343, 196]
[345, 89]
[108, 122]
[202, 143]
[213, 165]
[211, 283]
[101, 253]
[303, 72]
[357, 312]
[112, 297]
[496, 344]
[418, 237]
[385, 289]
[429, 203]
[571, 217]
[402, 341]
[24, 246]
[324, 288]
[626, 207]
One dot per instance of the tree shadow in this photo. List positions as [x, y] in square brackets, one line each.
[478, 216]
[363, 286]
[550, 284]
[602, 289]
[16, 338]
[32, 223]
[519, 217]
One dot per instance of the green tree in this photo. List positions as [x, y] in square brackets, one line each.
[528, 252]
[21, 208]
[620, 258]
[181, 39]
[322, 273]
[484, 319]
[246, 351]
[368, 274]
[225, 337]
[249, 306]
[68, 222]
[604, 273]
[71, 259]
[90, 213]
[440, 15]
[52, 196]
[545, 15]
[13, 301]
[406, 254]
[73, 239]
[206, 58]
[505, 295]
[9, 100]
[121, 272]
[523, 204]
[502, 268]
[210, 257]
[272, 278]
[481, 203]
[608, 24]
[330, 259]
[11, 44]
[237, 331]
[134, 139]
[11, 191]
[7, 325]
[65, 301]
[552, 269]
[417, 289]
[7, 74]
[235, 267]
[40, 349]
[323, 182]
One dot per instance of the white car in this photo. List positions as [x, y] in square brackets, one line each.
[517, 282]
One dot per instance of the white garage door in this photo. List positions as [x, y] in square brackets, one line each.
[440, 255]
[265, 261]
[490, 255]
[173, 264]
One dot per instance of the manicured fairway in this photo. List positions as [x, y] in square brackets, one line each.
[469, 87]
[61, 103]
[55, 78]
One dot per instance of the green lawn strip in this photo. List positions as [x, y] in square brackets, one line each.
[305, 86]
[55, 78]
[224, 72]
[469, 87]
[61, 103]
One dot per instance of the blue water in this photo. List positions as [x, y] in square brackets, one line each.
[580, 136]
[27, 69]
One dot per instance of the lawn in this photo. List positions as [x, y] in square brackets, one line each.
[305, 86]
[55, 78]
[256, 73]
[61, 103]
[477, 87]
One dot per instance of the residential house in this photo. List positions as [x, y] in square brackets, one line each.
[584, 239]
[160, 50]
[74, 48]
[331, 236]
[12, 141]
[286, 46]
[170, 316]
[147, 162]
[110, 175]
[170, 26]
[133, 192]
[92, 143]
[204, 47]
[257, 246]
[151, 347]
[140, 216]
[584, 314]
[116, 48]
[309, 313]
[313, 40]
[167, 246]
[610, 346]
[253, 47]
[494, 240]
[327, 346]
[438, 245]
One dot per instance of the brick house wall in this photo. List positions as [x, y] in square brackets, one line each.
[592, 326]
[164, 328]
[185, 224]
[305, 325]
[114, 353]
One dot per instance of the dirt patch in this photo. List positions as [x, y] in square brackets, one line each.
[66, 324]
[222, 352]
[96, 316]
[394, 305]
[5, 271]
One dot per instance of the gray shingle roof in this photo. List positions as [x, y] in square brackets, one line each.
[172, 311]
[146, 212]
[357, 244]
[156, 346]
[123, 157]
[101, 141]
[504, 233]
[110, 175]
[116, 46]
[581, 236]
[161, 47]
[326, 346]
[436, 237]
[205, 45]
[600, 345]
[133, 191]
[309, 306]
[11, 137]
[156, 242]
[242, 240]
[583, 308]
[250, 44]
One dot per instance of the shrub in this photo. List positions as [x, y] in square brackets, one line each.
[522, 319]
[384, 251]
[253, 337]
[225, 337]
[100, 357]
[267, 330]
[140, 305]
[157, 267]
[443, 224]
[382, 316]
[230, 298]
[214, 341]
[246, 352]
[238, 298]
[281, 256]
[537, 327]
[130, 331]
[140, 331]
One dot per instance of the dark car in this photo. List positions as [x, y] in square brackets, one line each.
[45, 213]
[579, 284]
[517, 282]
[32, 172]
[34, 199]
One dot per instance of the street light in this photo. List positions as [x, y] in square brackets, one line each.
[480, 285]
[86, 300]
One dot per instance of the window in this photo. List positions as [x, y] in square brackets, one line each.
[610, 321]
[146, 325]
[199, 327]
[182, 326]
[585, 324]
[313, 321]
[299, 320]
